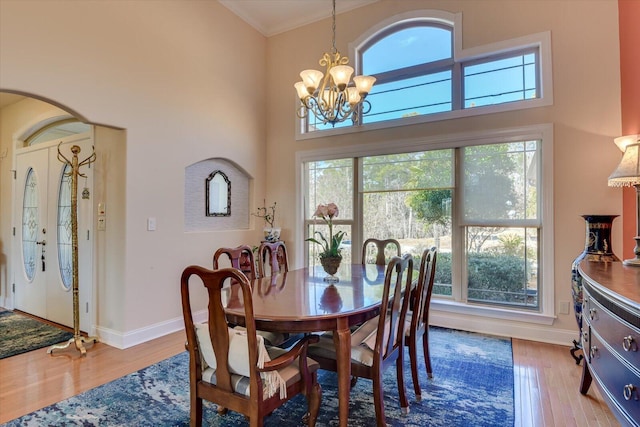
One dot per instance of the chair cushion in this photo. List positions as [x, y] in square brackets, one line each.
[270, 338]
[290, 374]
[367, 333]
[326, 349]
[363, 342]
[239, 362]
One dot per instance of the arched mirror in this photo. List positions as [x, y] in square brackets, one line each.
[218, 194]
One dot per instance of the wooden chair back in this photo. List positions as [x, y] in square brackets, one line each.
[418, 321]
[389, 337]
[275, 254]
[422, 294]
[253, 404]
[240, 258]
[393, 310]
[379, 247]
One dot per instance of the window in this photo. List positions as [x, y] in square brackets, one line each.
[30, 224]
[424, 75]
[65, 242]
[329, 180]
[479, 201]
[57, 130]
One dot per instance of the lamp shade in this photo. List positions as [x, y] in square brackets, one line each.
[628, 171]
[623, 141]
[364, 83]
[341, 75]
[311, 79]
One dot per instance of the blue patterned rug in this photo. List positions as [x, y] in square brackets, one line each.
[472, 386]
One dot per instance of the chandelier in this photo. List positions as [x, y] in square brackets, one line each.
[330, 96]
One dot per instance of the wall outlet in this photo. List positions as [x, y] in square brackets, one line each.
[151, 224]
[564, 307]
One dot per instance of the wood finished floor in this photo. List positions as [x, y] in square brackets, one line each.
[546, 380]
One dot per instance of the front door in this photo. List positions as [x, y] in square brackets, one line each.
[42, 261]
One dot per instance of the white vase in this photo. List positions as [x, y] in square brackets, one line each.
[272, 234]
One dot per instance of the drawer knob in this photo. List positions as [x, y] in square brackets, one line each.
[629, 344]
[593, 351]
[593, 314]
[629, 391]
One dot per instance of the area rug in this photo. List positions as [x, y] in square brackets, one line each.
[20, 334]
[472, 386]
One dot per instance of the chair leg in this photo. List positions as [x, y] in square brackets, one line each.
[427, 356]
[402, 391]
[196, 411]
[413, 360]
[378, 400]
[313, 400]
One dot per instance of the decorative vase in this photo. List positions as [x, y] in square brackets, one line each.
[330, 265]
[330, 301]
[271, 234]
[597, 248]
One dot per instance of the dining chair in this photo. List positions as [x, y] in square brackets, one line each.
[242, 259]
[235, 369]
[417, 319]
[376, 248]
[275, 254]
[379, 342]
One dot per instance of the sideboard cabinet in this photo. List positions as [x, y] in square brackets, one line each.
[611, 336]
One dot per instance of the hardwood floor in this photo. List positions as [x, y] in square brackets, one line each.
[546, 380]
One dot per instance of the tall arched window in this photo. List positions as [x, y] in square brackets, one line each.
[423, 74]
[414, 67]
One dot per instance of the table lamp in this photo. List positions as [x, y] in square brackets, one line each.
[627, 174]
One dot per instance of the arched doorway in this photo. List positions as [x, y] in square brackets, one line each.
[40, 261]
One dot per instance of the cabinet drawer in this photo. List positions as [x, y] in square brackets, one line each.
[620, 335]
[619, 382]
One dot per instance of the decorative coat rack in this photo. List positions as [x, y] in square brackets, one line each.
[75, 165]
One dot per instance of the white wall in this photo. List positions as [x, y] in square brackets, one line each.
[185, 82]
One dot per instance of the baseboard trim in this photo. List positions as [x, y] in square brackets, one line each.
[138, 336]
[498, 327]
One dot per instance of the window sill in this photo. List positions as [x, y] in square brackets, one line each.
[491, 312]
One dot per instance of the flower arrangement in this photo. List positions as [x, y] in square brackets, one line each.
[267, 213]
[330, 247]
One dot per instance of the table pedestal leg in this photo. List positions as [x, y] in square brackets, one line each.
[342, 341]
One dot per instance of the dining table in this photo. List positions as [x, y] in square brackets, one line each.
[302, 301]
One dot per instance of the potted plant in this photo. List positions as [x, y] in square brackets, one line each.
[268, 214]
[330, 256]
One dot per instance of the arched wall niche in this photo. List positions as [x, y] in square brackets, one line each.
[195, 208]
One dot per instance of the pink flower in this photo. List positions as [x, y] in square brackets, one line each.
[321, 211]
[327, 212]
[332, 210]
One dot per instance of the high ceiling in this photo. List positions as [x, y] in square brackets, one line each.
[271, 17]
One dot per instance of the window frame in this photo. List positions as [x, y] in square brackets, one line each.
[538, 41]
[457, 304]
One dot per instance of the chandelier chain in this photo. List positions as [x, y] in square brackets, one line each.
[333, 15]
